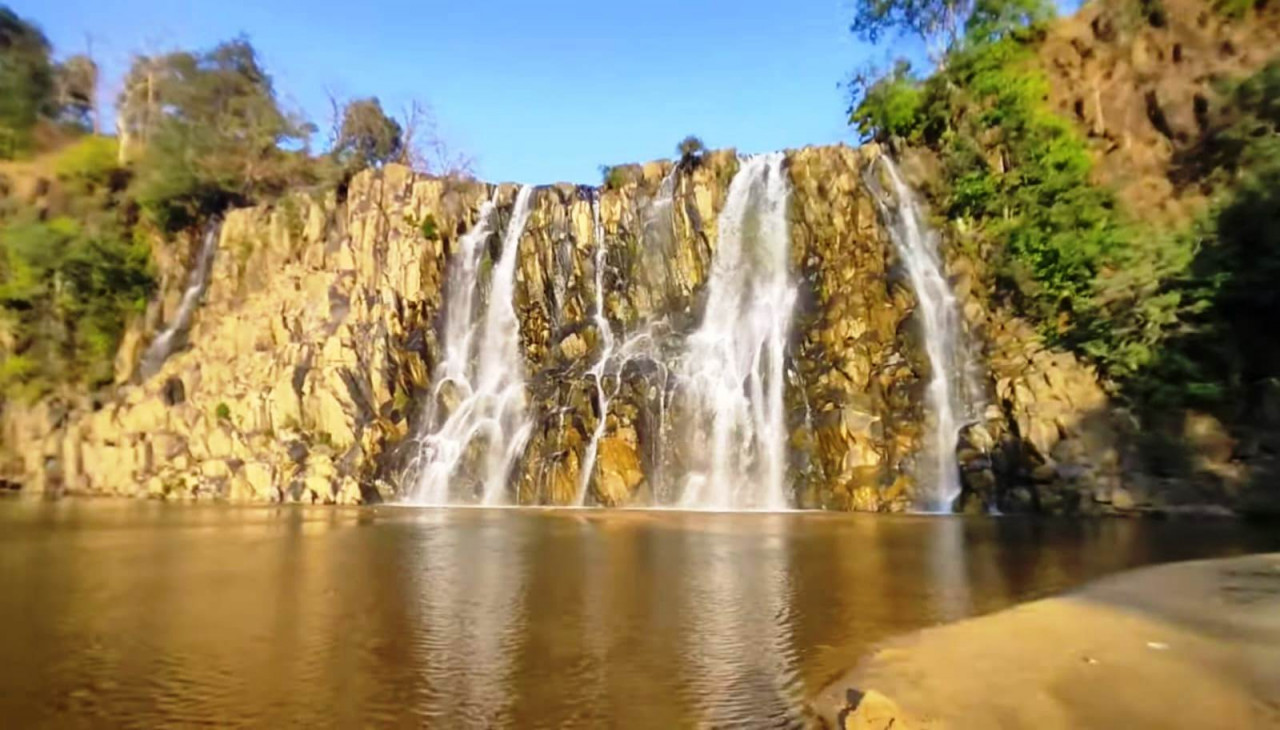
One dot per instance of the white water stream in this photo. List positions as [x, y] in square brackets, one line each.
[731, 375]
[173, 336]
[950, 397]
[484, 372]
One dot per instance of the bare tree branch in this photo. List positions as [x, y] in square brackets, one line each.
[425, 150]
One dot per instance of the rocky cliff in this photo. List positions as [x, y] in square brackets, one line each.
[313, 353]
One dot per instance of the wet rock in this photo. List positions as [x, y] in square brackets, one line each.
[871, 710]
[318, 341]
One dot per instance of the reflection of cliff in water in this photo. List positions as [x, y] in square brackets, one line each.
[502, 618]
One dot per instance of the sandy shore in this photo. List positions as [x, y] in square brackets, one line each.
[1190, 645]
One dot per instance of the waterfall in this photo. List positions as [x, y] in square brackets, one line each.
[605, 334]
[732, 370]
[950, 394]
[480, 382]
[174, 336]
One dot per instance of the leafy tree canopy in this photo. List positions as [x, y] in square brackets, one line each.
[367, 136]
[212, 130]
[26, 81]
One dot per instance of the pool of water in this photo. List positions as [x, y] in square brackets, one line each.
[144, 614]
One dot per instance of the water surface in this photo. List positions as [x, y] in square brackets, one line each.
[146, 614]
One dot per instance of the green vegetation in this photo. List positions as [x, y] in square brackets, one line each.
[1234, 8]
[89, 163]
[888, 106]
[222, 412]
[1221, 352]
[1017, 171]
[26, 82]
[214, 133]
[198, 131]
[65, 294]
[428, 228]
[613, 177]
[1169, 317]
[367, 136]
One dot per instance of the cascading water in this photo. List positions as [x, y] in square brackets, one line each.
[175, 334]
[615, 356]
[479, 390]
[951, 392]
[731, 375]
[605, 333]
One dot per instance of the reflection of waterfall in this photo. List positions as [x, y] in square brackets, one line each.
[479, 390]
[732, 371]
[736, 616]
[951, 393]
[174, 336]
[473, 618]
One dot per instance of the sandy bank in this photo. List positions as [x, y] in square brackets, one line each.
[1191, 645]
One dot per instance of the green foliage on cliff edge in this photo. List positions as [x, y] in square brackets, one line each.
[212, 133]
[26, 82]
[1174, 319]
[1221, 352]
[1014, 169]
[65, 294]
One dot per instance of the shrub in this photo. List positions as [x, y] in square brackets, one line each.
[691, 149]
[222, 412]
[90, 162]
[614, 177]
[889, 106]
[69, 291]
[428, 228]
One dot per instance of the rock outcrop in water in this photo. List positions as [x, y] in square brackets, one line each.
[312, 357]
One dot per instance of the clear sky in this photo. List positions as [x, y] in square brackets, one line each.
[535, 91]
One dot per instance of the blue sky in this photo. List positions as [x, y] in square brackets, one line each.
[536, 92]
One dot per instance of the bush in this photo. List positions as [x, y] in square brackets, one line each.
[614, 177]
[428, 228]
[889, 106]
[70, 290]
[222, 412]
[1234, 9]
[90, 162]
[215, 133]
[16, 370]
[691, 149]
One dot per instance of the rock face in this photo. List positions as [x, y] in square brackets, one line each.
[858, 396]
[315, 347]
[1140, 80]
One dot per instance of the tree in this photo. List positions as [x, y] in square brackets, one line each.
[936, 22]
[886, 104]
[211, 131]
[77, 91]
[425, 150]
[691, 149]
[992, 20]
[367, 137]
[26, 81]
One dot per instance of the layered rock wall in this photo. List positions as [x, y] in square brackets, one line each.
[313, 353]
